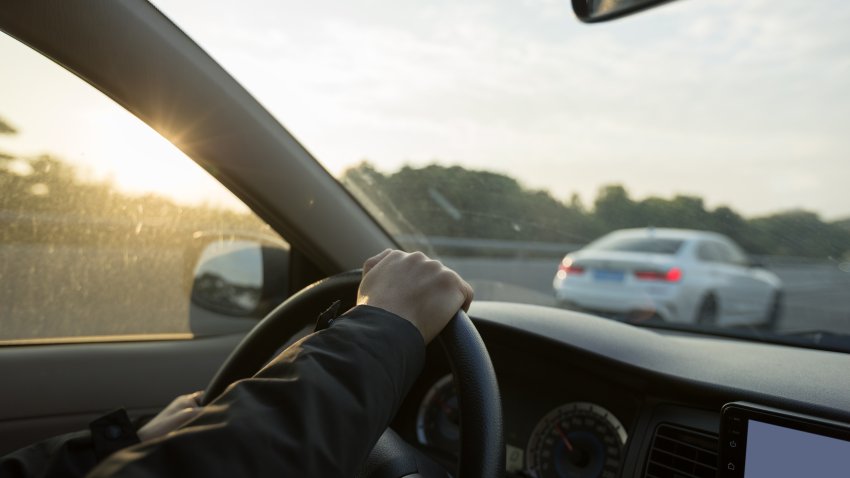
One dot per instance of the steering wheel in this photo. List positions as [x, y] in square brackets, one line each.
[482, 444]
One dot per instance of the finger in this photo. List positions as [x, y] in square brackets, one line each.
[197, 397]
[184, 416]
[175, 405]
[177, 420]
[468, 294]
[374, 260]
[466, 291]
[184, 401]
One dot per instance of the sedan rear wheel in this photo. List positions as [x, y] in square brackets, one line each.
[707, 312]
[774, 311]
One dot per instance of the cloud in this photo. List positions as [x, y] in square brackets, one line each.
[724, 87]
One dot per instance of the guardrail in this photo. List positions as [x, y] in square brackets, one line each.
[444, 246]
[472, 247]
[464, 246]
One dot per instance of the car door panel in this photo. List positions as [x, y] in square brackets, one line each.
[48, 390]
[750, 291]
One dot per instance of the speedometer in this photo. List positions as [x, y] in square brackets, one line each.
[576, 440]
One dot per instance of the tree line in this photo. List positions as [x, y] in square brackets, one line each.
[452, 201]
[45, 198]
[433, 200]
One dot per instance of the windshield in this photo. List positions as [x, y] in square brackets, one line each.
[504, 136]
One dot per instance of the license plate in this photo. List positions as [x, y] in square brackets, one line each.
[609, 276]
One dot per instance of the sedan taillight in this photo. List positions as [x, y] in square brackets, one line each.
[567, 268]
[674, 274]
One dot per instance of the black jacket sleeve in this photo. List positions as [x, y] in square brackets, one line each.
[315, 411]
[72, 455]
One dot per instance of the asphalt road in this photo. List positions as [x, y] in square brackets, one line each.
[69, 291]
[817, 295]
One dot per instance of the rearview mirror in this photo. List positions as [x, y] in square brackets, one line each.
[592, 11]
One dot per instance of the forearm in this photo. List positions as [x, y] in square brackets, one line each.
[316, 410]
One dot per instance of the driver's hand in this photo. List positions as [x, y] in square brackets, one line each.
[176, 414]
[414, 287]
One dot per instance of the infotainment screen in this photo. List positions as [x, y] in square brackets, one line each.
[763, 442]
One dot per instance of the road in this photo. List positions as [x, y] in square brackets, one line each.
[817, 295]
[73, 290]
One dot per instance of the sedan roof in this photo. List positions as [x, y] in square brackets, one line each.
[668, 233]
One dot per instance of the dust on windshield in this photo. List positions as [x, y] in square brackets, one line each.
[506, 136]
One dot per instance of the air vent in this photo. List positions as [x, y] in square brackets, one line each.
[682, 453]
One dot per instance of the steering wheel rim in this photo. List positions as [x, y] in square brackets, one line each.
[482, 445]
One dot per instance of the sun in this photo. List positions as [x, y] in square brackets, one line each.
[55, 113]
[140, 161]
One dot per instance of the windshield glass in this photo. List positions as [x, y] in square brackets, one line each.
[505, 136]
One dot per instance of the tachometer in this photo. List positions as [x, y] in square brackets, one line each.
[438, 420]
[576, 440]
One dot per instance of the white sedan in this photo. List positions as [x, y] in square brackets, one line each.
[677, 275]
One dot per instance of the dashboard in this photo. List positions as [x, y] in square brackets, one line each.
[587, 397]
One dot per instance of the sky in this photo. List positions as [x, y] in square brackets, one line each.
[742, 103]
[54, 112]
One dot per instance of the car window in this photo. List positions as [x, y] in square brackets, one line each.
[106, 229]
[638, 244]
[733, 253]
[706, 252]
[721, 252]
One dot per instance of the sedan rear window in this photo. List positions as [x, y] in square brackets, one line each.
[638, 244]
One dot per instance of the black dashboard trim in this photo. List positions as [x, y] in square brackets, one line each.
[669, 377]
[693, 370]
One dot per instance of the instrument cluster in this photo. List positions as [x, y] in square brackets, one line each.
[575, 439]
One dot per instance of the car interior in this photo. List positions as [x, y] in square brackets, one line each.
[651, 401]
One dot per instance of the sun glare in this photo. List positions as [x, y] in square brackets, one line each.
[49, 111]
[152, 164]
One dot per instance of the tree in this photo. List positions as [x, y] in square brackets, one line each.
[614, 208]
[456, 202]
[800, 233]
[44, 197]
[452, 201]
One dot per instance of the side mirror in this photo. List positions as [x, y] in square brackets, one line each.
[592, 11]
[757, 263]
[239, 276]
